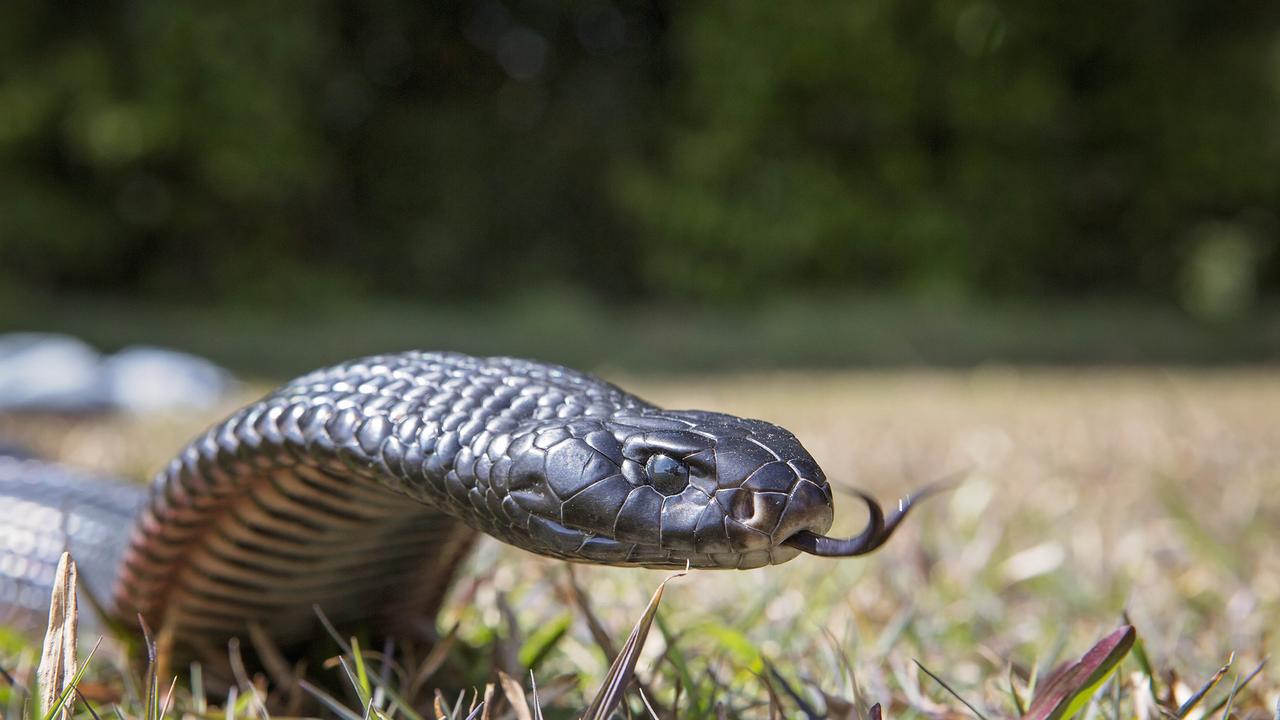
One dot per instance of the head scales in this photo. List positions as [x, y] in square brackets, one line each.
[663, 488]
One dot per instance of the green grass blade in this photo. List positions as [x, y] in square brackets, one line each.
[401, 704]
[70, 689]
[543, 641]
[364, 689]
[1144, 661]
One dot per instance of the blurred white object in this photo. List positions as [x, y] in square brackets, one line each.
[44, 371]
[47, 371]
[146, 379]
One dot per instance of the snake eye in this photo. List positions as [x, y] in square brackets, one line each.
[668, 475]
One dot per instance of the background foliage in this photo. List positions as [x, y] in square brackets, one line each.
[714, 151]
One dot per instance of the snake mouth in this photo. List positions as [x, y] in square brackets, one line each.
[878, 530]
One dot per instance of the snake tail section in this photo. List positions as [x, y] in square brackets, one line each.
[46, 509]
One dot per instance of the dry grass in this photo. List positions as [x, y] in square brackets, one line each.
[1092, 494]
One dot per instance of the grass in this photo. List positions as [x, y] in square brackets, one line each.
[1097, 500]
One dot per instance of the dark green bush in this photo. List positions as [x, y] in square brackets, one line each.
[718, 150]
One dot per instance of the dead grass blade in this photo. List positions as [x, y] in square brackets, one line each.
[624, 665]
[1018, 705]
[440, 706]
[772, 671]
[487, 703]
[70, 690]
[432, 662]
[168, 699]
[272, 658]
[241, 676]
[647, 706]
[1196, 697]
[1227, 700]
[537, 704]
[58, 661]
[87, 705]
[506, 646]
[330, 629]
[150, 684]
[579, 600]
[775, 703]
[1231, 697]
[515, 696]
[950, 690]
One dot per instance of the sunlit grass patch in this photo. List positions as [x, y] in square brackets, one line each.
[375, 686]
[1092, 495]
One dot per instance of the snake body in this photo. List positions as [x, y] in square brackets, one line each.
[361, 487]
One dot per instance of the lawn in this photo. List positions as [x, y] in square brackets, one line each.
[1088, 495]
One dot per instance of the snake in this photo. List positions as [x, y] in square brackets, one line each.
[359, 489]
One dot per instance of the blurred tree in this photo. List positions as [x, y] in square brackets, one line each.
[718, 150]
[285, 150]
[958, 147]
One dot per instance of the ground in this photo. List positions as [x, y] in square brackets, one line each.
[1087, 495]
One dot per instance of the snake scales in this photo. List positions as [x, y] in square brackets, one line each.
[360, 488]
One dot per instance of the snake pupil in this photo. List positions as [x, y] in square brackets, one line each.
[669, 476]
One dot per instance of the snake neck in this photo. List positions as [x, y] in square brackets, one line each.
[453, 448]
[295, 496]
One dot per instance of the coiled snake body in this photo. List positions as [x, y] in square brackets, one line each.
[360, 487]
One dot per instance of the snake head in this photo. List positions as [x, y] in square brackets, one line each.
[662, 489]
